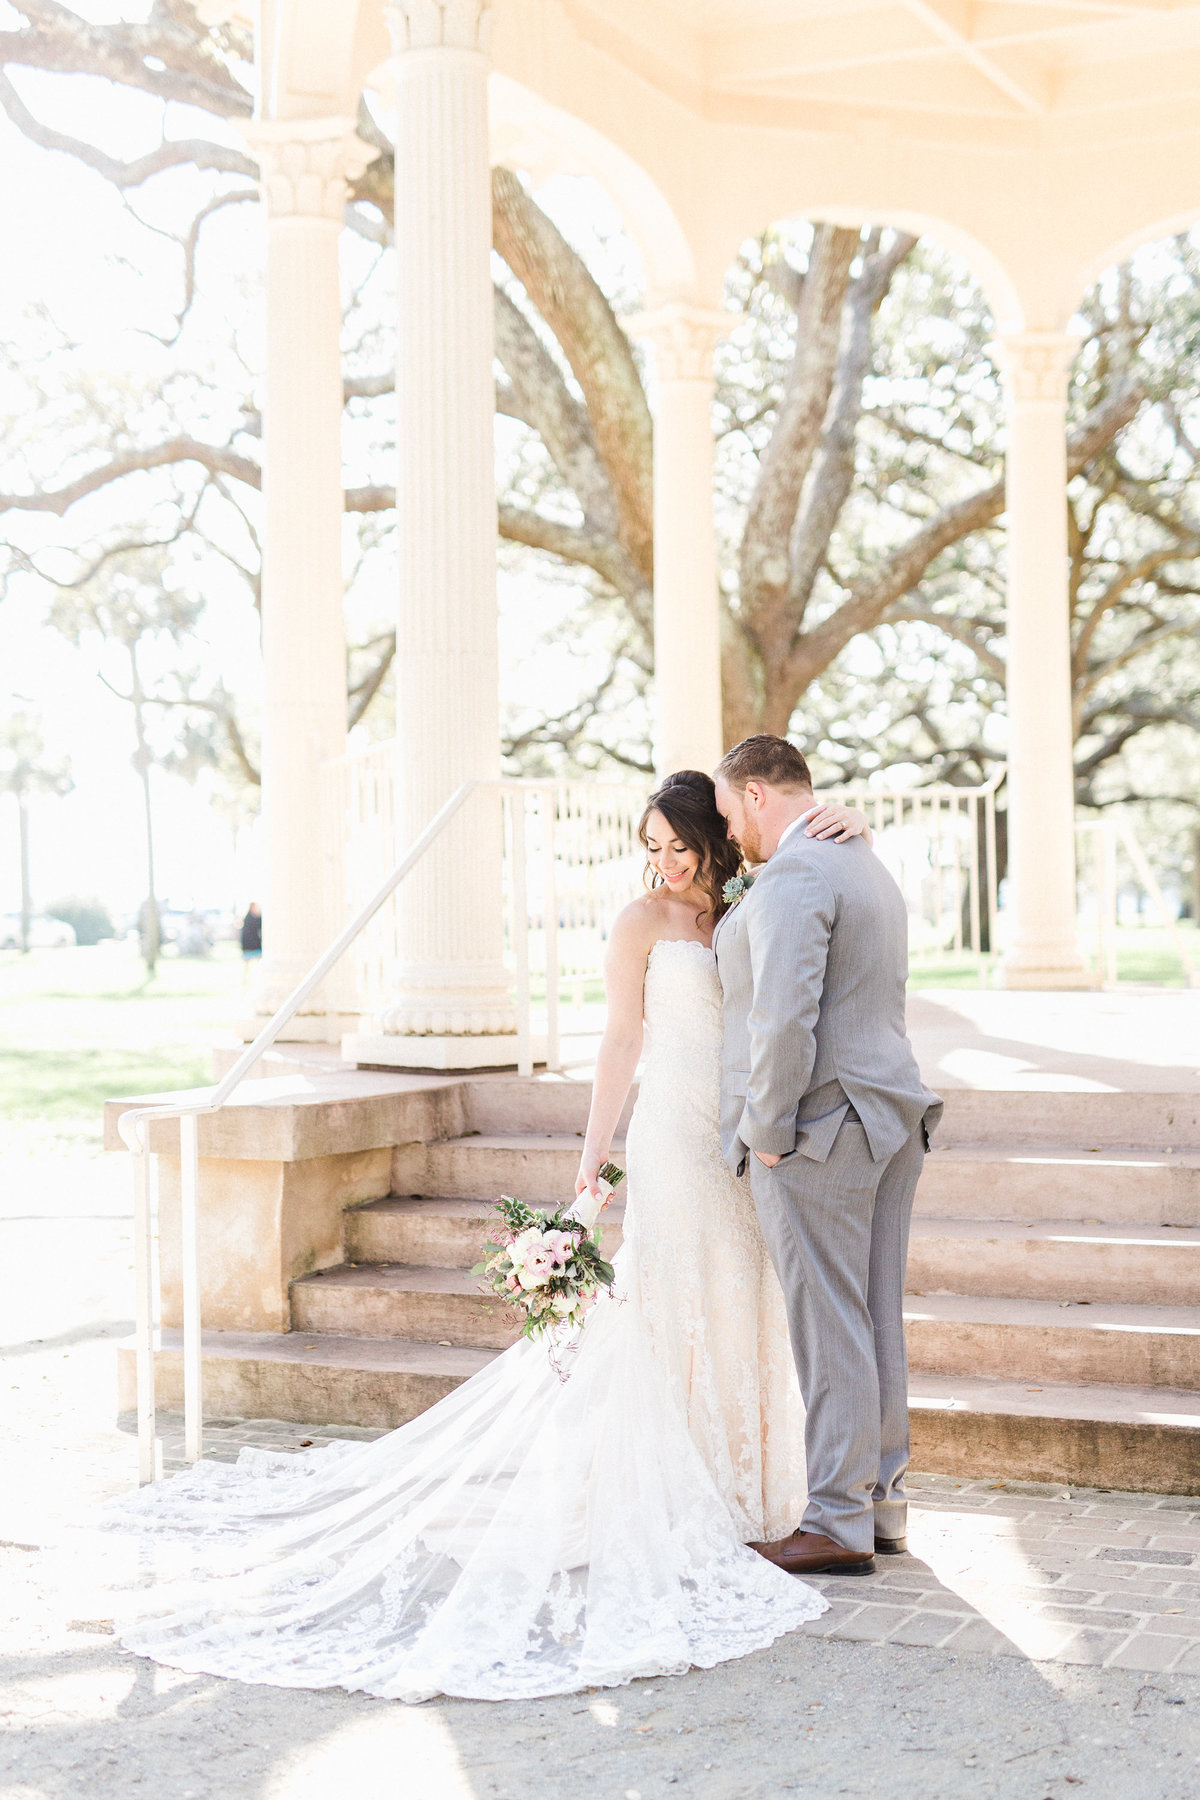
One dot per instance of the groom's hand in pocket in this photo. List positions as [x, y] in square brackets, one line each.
[767, 1159]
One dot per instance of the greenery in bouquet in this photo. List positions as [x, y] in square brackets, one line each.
[546, 1267]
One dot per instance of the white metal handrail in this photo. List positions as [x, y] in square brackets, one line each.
[583, 862]
[1107, 835]
[134, 1127]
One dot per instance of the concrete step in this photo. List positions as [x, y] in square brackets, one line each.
[496, 1104]
[1043, 1341]
[446, 1234]
[556, 1103]
[1029, 1116]
[324, 1380]
[1054, 1259]
[1141, 1439]
[1040, 1181]
[404, 1300]
[533, 1167]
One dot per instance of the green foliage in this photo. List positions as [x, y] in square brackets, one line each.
[558, 1295]
[90, 919]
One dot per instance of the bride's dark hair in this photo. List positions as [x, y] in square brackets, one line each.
[687, 801]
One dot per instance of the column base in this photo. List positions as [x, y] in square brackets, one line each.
[389, 1050]
[305, 1028]
[1045, 971]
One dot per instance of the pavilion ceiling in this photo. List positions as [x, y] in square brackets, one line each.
[1099, 68]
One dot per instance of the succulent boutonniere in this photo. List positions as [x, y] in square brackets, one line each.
[737, 889]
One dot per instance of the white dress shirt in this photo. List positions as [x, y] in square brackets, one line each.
[795, 825]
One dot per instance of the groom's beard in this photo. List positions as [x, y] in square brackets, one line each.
[750, 843]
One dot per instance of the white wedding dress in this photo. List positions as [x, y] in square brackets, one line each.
[530, 1535]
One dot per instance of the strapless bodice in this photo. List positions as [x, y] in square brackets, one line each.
[682, 1005]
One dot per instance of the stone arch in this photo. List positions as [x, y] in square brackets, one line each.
[546, 140]
[1002, 289]
[1123, 248]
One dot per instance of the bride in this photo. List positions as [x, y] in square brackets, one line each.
[528, 1535]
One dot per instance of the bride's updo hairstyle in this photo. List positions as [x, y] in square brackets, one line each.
[687, 801]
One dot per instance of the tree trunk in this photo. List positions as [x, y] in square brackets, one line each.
[150, 925]
[26, 891]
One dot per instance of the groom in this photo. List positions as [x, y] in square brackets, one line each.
[822, 1102]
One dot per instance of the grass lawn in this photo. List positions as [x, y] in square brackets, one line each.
[1145, 956]
[80, 1026]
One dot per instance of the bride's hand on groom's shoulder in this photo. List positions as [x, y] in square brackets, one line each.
[841, 823]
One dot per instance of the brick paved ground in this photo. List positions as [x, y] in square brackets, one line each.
[1014, 1709]
[1002, 1568]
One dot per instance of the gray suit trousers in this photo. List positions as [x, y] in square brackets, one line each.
[837, 1232]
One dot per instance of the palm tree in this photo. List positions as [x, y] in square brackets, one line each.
[25, 771]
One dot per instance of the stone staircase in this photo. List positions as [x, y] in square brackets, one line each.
[1054, 1277]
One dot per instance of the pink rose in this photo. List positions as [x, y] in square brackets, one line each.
[561, 1247]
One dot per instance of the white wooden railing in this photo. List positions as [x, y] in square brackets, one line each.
[940, 844]
[571, 861]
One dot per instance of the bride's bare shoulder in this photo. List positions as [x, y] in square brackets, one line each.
[636, 927]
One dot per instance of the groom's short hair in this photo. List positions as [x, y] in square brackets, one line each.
[764, 758]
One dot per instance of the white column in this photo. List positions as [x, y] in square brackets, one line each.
[452, 1008]
[305, 165]
[687, 619]
[1043, 950]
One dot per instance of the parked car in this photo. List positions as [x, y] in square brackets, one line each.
[44, 934]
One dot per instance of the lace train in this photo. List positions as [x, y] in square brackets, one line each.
[527, 1536]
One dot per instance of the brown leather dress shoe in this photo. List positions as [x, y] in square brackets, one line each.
[812, 1553]
[891, 1546]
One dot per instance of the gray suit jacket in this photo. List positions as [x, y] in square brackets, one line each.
[813, 964]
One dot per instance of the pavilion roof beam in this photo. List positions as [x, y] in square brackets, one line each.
[1119, 9]
[950, 22]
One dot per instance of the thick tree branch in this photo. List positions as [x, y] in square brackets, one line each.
[598, 352]
[218, 459]
[362, 692]
[765, 565]
[368, 387]
[195, 153]
[900, 572]
[966, 631]
[164, 55]
[833, 470]
[370, 499]
[576, 544]
[539, 396]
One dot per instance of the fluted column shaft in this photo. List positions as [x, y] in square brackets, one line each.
[304, 169]
[451, 977]
[1043, 949]
[687, 629]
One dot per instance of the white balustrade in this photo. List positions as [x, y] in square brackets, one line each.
[571, 861]
[1109, 839]
[939, 842]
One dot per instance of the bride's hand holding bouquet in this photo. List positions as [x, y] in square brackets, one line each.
[547, 1267]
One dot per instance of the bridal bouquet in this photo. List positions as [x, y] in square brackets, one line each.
[547, 1267]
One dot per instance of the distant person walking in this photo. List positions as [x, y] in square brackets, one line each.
[251, 938]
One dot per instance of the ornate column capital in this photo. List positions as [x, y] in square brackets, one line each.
[684, 337]
[306, 164]
[1036, 365]
[440, 25]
